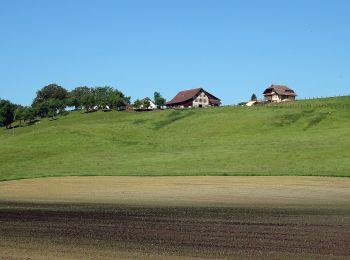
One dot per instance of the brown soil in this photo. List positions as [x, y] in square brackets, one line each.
[184, 191]
[72, 227]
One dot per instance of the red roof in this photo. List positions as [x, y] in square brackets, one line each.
[186, 95]
[280, 90]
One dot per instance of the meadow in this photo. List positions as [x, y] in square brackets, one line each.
[308, 137]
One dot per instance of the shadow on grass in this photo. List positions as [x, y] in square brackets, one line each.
[140, 121]
[289, 119]
[174, 116]
[14, 127]
[312, 118]
[23, 124]
[88, 111]
[33, 122]
[316, 120]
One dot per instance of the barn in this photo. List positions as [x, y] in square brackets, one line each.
[197, 97]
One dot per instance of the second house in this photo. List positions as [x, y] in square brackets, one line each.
[197, 97]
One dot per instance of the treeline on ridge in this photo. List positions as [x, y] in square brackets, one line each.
[52, 100]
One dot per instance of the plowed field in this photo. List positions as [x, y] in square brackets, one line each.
[175, 217]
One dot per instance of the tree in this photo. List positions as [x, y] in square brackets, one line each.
[52, 105]
[158, 99]
[103, 96]
[87, 101]
[118, 100]
[76, 95]
[29, 114]
[44, 97]
[60, 105]
[7, 110]
[72, 102]
[52, 91]
[146, 103]
[42, 108]
[253, 98]
[19, 114]
[137, 103]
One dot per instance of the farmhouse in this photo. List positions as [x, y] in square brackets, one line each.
[197, 97]
[279, 93]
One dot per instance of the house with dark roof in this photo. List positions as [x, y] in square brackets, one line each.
[279, 93]
[197, 97]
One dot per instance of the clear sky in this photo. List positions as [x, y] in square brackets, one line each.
[231, 48]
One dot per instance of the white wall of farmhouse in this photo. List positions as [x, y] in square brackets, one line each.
[152, 105]
[273, 98]
[278, 98]
[202, 100]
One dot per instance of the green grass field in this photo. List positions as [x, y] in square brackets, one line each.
[310, 137]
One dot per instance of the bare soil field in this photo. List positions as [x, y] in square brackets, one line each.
[183, 191]
[175, 217]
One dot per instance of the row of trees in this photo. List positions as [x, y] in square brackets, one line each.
[10, 112]
[53, 99]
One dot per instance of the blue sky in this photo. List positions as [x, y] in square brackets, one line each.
[231, 48]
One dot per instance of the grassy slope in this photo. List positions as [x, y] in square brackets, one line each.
[301, 138]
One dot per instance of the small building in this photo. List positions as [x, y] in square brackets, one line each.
[279, 93]
[197, 97]
[152, 105]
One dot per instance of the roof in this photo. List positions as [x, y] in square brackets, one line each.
[280, 90]
[185, 95]
[214, 101]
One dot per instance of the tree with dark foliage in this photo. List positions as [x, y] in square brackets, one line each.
[137, 103]
[88, 101]
[29, 114]
[146, 104]
[49, 95]
[158, 99]
[19, 114]
[52, 91]
[102, 96]
[7, 110]
[118, 100]
[76, 95]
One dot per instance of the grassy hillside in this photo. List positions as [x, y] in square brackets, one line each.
[301, 138]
